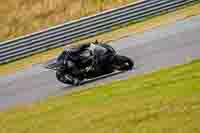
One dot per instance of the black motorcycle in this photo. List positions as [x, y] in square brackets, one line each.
[102, 59]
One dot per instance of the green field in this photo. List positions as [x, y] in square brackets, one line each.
[167, 101]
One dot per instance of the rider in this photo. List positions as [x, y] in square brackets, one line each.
[72, 59]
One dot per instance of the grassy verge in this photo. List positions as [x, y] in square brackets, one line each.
[163, 101]
[26, 16]
[139, 27]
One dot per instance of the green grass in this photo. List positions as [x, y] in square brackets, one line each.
[167, 101]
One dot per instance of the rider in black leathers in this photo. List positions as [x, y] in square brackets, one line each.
[71, 58]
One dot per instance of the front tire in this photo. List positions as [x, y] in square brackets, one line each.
[67, 79]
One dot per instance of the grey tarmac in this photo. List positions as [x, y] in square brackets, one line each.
[164, 46]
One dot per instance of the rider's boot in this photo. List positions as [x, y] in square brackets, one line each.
[76, 82]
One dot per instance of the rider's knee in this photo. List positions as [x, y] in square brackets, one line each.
[70, 64]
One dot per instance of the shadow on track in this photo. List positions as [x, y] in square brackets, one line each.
[102, 77]
[90, 81]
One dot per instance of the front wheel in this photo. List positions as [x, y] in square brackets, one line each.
[67, 79]
[123, 63]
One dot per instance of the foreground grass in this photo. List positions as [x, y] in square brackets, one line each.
[166, 101]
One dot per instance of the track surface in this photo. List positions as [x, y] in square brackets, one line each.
[161, 47]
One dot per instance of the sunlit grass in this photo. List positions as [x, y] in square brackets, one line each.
[114, 35]
[163, 101]
[20, 17]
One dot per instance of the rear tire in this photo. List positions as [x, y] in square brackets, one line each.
[123, 63]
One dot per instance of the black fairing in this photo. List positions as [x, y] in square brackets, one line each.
[109, 48]
[102, 57]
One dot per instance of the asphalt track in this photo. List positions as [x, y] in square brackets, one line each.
[160, 47]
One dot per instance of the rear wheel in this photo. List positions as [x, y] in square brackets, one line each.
[123, 63]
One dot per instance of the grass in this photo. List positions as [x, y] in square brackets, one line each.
[117, 34]
[166, 101]
[26, 16]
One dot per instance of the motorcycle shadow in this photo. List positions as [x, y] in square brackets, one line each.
[93, 80]
[101, 77]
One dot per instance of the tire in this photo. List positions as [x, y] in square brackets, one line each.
[70, 80]
[123, 63]
[61, 77]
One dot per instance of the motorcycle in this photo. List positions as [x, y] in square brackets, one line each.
[98, 67]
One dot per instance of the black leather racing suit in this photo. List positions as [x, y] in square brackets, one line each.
[71, 59]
